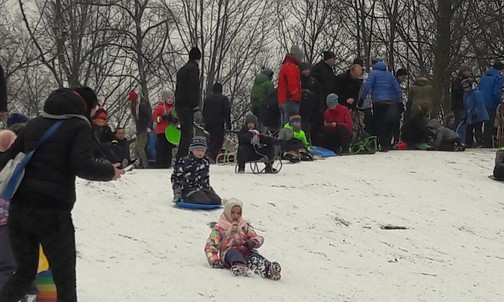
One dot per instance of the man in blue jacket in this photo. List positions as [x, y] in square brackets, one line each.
[386, 97]
[490, 87]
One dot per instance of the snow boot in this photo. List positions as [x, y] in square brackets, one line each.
[290, 156]
[305, 156]
[240, 269]
[264, 268]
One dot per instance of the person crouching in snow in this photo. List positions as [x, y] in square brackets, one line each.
[252, 145]
[338, 126]
[191, 178]
[446, 139]
[233, 242]
[295, 145]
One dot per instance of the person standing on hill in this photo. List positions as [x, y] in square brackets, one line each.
[289, 84]
[142, 111]
[490, 86]
[163, 116]
[457, 92]
[261, 88]
[216, 115]
[40, 210]
[187, 95]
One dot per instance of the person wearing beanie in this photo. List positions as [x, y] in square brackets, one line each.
[48, 190]
[121, 146]
[164, 115]
[323, 72]
[90, 99]
[191, 176]
[103, 136]
[386, 96]
[457, 92]
[311, 96]
[490, 86]
[295, 145]
[233, 244]
[338, 126]
[217, 119]
[253, 146]
[401, 75]
[358, 61]
[475, 114]
[289, 85]
[141, 111]
[446, 139]
[188, 94]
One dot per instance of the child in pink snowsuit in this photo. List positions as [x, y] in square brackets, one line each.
[232, 244]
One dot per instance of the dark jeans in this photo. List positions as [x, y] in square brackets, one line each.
[202, 197]
[217, 133]
[186, 120]
[55, 231]
[473, 132]
[233, 256]
[385, 117]
[459, 115]
[163, 152]
[489, 129]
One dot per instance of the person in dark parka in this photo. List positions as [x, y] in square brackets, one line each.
[187, 96]
[40, 211]
[216, 115]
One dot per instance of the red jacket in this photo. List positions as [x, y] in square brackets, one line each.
[339, 115]
[289, 81]
[160, 110]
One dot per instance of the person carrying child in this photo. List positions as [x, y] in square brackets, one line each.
[252, 145]
[295, 145]
[233, 244]
[191, 176]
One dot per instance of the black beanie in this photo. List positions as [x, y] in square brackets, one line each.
[359, 61]
[89, 97]
[304, 66]
[498, 65]
[328, 55]
[195, 54]
[217, 88]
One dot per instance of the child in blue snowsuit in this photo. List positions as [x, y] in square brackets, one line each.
[191, 176]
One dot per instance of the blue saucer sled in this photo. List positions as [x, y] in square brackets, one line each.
[197, 206]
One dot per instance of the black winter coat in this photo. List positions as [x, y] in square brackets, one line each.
[144, 119]
[311, 98]
[3, 91]
[457, 95]
[347, 87]
[49, 180]
[187, 92]
[217, 111]
[415, 130]
[324, 74]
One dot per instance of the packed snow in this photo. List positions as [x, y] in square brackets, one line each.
[396, 226]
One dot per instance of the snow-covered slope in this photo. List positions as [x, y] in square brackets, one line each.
[325, 222]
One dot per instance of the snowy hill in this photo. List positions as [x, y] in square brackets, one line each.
[331, 224]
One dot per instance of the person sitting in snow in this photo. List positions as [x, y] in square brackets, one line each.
[252, 145]
[338, 126]
[498, 171]
[295, 145]
[233, 244]
[191, 178]
[103, 135]
[446, 139]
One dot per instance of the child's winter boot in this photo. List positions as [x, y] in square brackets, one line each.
[240, 269]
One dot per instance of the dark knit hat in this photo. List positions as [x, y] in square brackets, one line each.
[331, 100]
[89, 97]
[198, 142]
[217, 88]
[359, 61]
[498, 65]
[295, 118]
[195, 54]
[267, 71]
[401, 72]
[16, 118]
[251, 118]
[304, 66]
[328, 55]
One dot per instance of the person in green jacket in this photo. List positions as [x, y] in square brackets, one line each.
[262, 86]
[295, 145]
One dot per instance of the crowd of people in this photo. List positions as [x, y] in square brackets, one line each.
[309, 106]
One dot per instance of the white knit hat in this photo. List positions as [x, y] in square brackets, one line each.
[229, 204]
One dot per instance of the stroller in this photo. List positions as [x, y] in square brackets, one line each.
[362, 142]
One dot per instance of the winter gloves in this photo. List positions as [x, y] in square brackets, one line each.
[255, 137]
[177, 194]
[250, 244]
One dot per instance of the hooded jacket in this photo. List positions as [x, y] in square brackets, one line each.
[474, 107]
[262, 86]
[49, 180]
[382, 84]
[490, 87]
[420, 92]
[289, 81]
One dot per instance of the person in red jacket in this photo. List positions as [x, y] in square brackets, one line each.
[289, 85]
[163, 116]
[338, 126]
